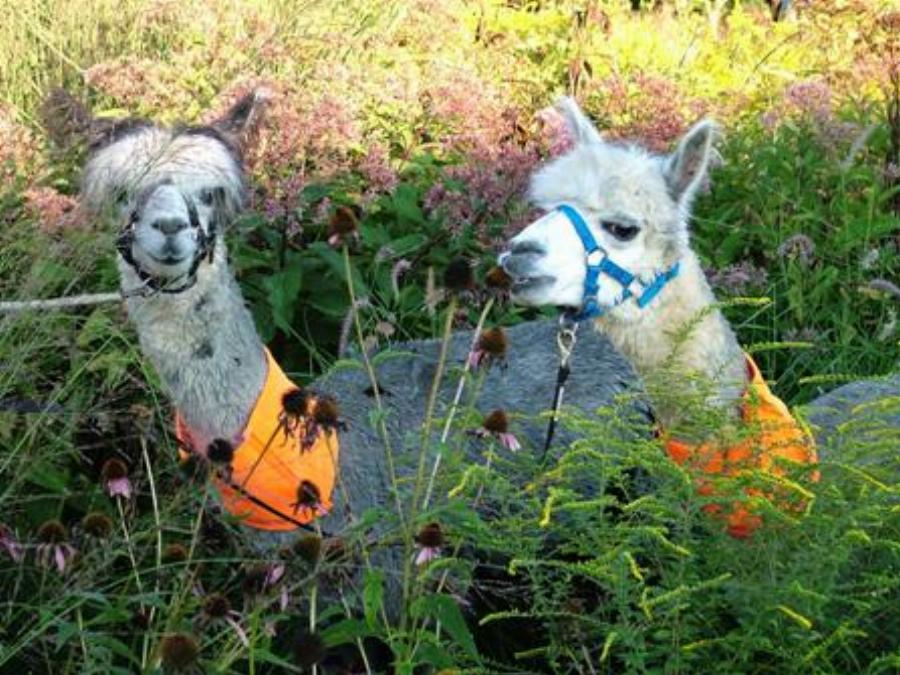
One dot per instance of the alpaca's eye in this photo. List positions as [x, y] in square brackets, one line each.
[207, 196]
[120, 195]
[620, 231]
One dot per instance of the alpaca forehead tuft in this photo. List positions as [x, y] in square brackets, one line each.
[191, 158]
[608, 178]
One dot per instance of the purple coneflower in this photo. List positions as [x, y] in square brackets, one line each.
[260, 579]
[497, 424]
[430, 540]
[115, 478]
[491, 348]
[309, 501]
[343, 227]
[217, 608]
[53, 546]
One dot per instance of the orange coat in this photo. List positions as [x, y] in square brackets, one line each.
[269, 496]
[774, 435]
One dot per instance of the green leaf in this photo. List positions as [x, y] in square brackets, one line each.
[443, 608]
[345, 631]
[373, 595]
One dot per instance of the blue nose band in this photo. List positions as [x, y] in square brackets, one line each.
[598, 263]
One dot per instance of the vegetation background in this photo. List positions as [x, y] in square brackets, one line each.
[405, 132]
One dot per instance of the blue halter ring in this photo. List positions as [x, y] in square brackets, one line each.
[598, 262]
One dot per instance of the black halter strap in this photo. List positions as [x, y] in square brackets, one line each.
[205, 249]
[565, 340]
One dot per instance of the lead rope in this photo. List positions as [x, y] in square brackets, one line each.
[565, 340]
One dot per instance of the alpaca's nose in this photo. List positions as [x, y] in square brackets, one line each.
[521, 257]
[169, 226]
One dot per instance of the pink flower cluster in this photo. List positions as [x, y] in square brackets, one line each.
[53, 210]
[497, 151]
[811, 100]
[19, 150]
[647, 108]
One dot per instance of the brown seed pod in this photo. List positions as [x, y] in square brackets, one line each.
[174, 553]
[493, 342]
[308, 494]
[295, 402]
[97, 524]
[113, 469]
[220, 451]
[496, 422]
[497, 279]
[179, 651]
[459, 276]
[431, 536]
[328, 412]
[308, 548]
[216, 606]
[52, 532]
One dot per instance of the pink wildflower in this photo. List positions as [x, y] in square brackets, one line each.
[54, 547]
[10, 544]
[115, 478]
[430, 539]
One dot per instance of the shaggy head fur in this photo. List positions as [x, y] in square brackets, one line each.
[635, 203]
[170, 189]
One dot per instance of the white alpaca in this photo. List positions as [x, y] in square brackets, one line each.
[615, 244]
[638, 206]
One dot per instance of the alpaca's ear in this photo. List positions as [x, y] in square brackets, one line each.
[581, 128]
[686, 167]
[242, 118]
[66, 119]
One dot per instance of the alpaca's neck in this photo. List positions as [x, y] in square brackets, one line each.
[204, 345]
[674, 359]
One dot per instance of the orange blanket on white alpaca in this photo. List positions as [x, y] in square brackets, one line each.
[274, 493]
[774, 435]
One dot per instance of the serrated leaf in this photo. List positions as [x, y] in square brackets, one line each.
[373, 595]
[443, 608]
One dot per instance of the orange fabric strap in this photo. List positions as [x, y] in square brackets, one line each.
[268, 495]
[774, 435]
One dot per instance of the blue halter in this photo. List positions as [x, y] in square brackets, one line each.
[598, 263]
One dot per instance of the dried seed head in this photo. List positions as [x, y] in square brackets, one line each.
[497, 279]
[52, 532]
[216, 606]
[308, 494]
[254, 581]
[459, 277]
[307, 548]
[343, 221]
[140, 619]
[113, 469]
[179, 651]
[328, 412]
[174, 553]
[309, 649]
[335, 550]
[97, 524]
[431, 536]
[493, 342]
[220, 451]
[295, 402]
[497, 422]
